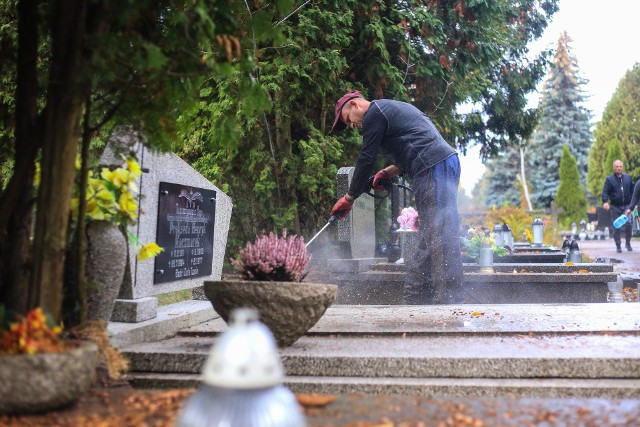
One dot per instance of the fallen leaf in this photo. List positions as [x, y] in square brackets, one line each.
[477, 313]
[313, 399]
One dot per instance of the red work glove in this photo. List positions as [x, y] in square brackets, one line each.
[381, 175]
[341, 208]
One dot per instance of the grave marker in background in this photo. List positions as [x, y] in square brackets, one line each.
[356, 232]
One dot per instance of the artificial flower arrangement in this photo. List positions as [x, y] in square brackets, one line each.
[409, 219]
[273, 258]
[477, 239]
[112, 197]
[32, 334]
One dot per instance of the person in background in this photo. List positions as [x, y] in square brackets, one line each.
[616, 193]
[634, 199]
[406, 136]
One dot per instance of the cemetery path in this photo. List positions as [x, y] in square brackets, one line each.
[121, 406]
[606, 250]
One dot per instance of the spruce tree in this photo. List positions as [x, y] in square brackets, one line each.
[502, 180]
[620, 124]
[563, 121]
[570, 196]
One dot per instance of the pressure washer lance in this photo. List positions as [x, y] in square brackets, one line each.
[387, 184]
[242, 381]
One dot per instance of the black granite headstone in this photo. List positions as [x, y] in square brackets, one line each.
[186, 218]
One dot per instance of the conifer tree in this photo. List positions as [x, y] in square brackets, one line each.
[563, 121]
[570, 196]
[620, 124]
[502, 179]
[429, 53]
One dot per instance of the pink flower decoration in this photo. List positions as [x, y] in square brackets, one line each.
[408, 219]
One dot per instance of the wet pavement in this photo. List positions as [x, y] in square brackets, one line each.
[405, 411]
[606, 250]
[460, 319]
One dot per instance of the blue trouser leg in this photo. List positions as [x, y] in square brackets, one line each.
[434, 272]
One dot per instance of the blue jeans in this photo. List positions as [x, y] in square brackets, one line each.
[434, 272]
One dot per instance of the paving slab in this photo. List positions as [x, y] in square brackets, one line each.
[361, 410]
[519, 284]
[468, 356]
[469, 387]
[583, 268]
[170, 319]
[467, 318]
[393, 388]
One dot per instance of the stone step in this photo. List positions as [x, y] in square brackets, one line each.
[440, 387]
[423, 356]
[497, 277]
[388, 288]
[472, 319]
[557, 268]
[578, 350]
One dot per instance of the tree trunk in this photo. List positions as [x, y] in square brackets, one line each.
[16, 203]
[283, 142]
[523, 177]
[60, 140]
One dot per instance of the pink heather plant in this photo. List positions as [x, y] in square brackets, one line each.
[273, 258]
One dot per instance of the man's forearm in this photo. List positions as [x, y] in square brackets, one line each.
[393, 170]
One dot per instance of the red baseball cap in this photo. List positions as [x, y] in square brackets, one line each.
[338, 124]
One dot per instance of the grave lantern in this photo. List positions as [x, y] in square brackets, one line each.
[537, 230]
[574, 253]
[497, 234]
[583, 230]
[485, 260]
[566, 248]
[242, 381]
[507, 237]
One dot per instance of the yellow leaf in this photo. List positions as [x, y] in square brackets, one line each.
[134, 167]
[149, 251]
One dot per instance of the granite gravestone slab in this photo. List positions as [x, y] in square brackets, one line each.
[356, 232]
[137, 299]
[186, 219]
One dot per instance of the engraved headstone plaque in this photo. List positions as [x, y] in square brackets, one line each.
[186, 218]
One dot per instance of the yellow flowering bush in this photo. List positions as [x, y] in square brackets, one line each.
[112, 197]
[32, 334]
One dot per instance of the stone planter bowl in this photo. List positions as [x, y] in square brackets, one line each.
[43, 382]
[289, 309]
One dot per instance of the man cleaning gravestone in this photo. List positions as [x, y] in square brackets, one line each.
[407, 136]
